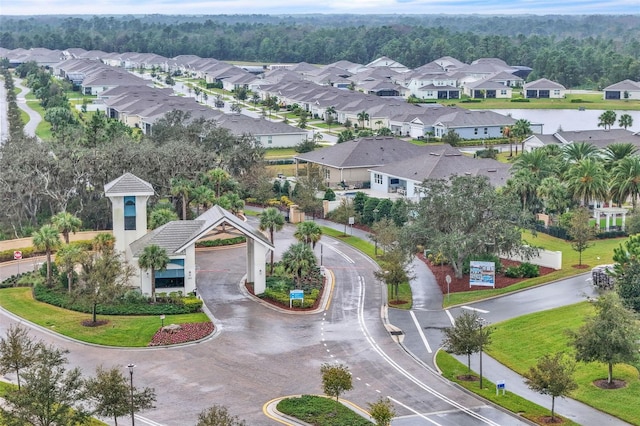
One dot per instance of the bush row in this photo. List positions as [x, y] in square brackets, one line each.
[520, 100]
[13, 281]
[524, 270]
[283, 297]
[7, 255]
[54, 297]
[223, 242]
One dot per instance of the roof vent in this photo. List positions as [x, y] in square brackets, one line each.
[492, 170]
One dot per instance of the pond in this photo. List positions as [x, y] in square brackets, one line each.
[568, 119]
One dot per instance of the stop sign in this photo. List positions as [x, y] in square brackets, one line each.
[17, 255]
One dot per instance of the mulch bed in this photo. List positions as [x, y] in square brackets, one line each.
[462, 284]
[90, 323]
[547, 420]
[615, 384]
[249, 288]
[468, 378]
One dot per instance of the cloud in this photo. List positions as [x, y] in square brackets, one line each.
[216, 7]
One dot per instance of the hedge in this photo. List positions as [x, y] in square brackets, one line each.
[520, 100]
[185, 305]
[224, 242]
[7, 255]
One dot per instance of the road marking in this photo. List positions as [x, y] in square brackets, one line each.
[405, 373]
[453, 322]
[147, 421]
[482, 311]
[414, 411]
[347, 258]
[422, 336]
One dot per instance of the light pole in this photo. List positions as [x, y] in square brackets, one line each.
[131, 367]
[375, 219]
[481, 323]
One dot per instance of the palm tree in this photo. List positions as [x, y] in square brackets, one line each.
[625, 180]
[159, 217]
[625, 121]
[103, 243]
[255, 98]
[553, 193]
[538, 162]
[577, 151]
[153, 258]
[47, 239]
[524, 183]
[607, 119]
[520, 130]
[235, 203]
[203, 196]
[182, 188]
[65, 223]
[272, 220]
[362, 118]
[218, 177]
[298, 260]
[587, 180]
[67, 258]
[330, 111]
[506, 132]
[615, 152]
[308, 232]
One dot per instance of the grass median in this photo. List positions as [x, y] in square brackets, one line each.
[520, 342]
[452, 368]
[121, 331]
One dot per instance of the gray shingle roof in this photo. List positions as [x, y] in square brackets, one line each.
[171, 236]
[543, 83]
[441, 162]
[624, 85]
[128, 184]
[365, 152]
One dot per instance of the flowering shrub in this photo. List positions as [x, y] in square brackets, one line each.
[187, 333]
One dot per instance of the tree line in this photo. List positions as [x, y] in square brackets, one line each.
[558, 48]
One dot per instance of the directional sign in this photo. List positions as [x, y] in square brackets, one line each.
[296, 294]
[17, 255]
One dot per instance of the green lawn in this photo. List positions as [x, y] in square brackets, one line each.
[123, 331]
[321, 411]
[355, 242]
[519, 342]
[452, 368]
[600, 253]
[278, 153]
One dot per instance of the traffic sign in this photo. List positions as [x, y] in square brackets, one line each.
[17, 255]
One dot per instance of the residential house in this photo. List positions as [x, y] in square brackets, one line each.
[543, 88]
[625, 89]
[108, 78]
[487, 89]
[347, 164]
[271, 134]
[406, 176]
[386, 62]
[600, 138]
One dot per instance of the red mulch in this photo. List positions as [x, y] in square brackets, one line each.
[547, 420]
[462, 284]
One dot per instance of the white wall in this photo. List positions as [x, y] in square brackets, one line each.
[546, 258]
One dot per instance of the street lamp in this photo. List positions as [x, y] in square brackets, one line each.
[375, 219]
[481, 323]
[131, 367]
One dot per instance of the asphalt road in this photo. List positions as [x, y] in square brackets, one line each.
[259, 353]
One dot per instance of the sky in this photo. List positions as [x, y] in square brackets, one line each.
[278, 7]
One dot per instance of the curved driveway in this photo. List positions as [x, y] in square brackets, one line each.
[259, 354]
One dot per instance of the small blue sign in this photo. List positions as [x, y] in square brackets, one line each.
[296, 294]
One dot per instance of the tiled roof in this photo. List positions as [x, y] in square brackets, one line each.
[128, 184]
[441, 162]
[365, 152]
[171, 236]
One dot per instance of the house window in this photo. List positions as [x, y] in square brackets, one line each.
[503, 92]
[269, 140]
[327, 174]
[377, 178]
[486, 131]
[129, 213]
[556, 92]
[475, 131]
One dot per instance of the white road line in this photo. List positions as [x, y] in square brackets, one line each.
[422, 336]
[347, 258]
[482, 311]
[147, 421]
[453, 321]
[414, 411]
[404, 372]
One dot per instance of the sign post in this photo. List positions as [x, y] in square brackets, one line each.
[482, 274]
[352, 220]
[501, 385]
[296, 294]
[17, 255]
[448, 280]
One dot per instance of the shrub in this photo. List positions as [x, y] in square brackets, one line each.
[222, 242]
[520, 100]
[486, 257]
[512, 272]
[528, 270]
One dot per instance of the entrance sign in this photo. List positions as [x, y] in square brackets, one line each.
[296, 295]
[482, 274]
[501, 385]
